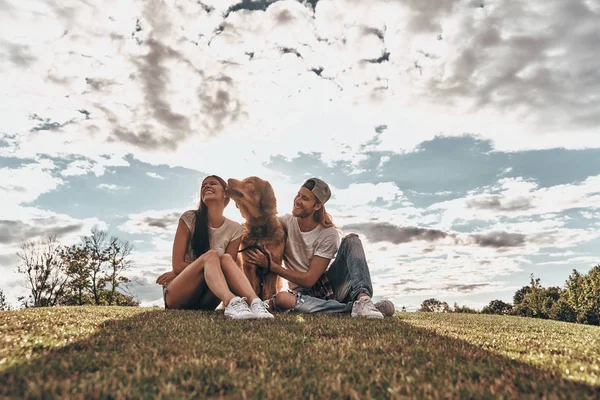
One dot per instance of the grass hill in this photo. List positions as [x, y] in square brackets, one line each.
[112, 352]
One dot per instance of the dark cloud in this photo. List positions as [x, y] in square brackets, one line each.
[494, 203]
[499, 239]
[386, 232]
[18, 231]
[506, 70]
[317, 71]
[465, 288]
[162, 222]
[98, 84]
[284, 17]
[380, 128]
[312, 3]
[250, 5]
[373, 31]
[19, 55]
[219, 107]
[214, 94]
[155, 81]
[46, 124]
[205, 7]
[383, 58]
[286, 50]
[13, 188]
[85, 112]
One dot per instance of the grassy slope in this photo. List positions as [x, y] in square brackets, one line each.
[117, 352]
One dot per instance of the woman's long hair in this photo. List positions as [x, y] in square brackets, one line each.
[200, 238]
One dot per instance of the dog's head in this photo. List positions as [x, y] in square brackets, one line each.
[253, 196]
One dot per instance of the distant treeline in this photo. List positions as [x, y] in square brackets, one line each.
[578, 301]
[88, 273]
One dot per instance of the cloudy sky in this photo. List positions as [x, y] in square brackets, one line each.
[460, 138]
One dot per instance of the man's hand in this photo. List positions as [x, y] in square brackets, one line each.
[256, 257]
[166, 278]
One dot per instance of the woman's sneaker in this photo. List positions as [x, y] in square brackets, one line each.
[238, 309]
[260, 309]
[365, 308]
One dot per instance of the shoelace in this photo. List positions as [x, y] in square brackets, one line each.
[369, 306]
[263, 306]
[240, 305]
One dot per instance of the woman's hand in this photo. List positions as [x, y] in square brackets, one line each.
[166, 278]
[256, 257]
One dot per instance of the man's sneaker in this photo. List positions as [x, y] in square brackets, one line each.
[238, 309]
[386, 307]
[260, 309]
[365, 308]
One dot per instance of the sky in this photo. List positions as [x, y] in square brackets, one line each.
[460, 138]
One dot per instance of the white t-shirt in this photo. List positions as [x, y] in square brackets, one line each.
[219, 238]
[302, 246]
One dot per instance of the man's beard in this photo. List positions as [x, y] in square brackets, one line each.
[302, 213]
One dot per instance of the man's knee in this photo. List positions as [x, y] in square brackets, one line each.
[285, 300]
[351, 240]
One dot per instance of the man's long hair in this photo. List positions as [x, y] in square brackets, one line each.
[322, 217]
[200, 238]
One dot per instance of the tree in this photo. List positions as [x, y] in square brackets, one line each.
[41, 263]
[497, 307]
[464, 309]
[78, 289]
[563, 311]
[96, 268]
[4, 306]
[520, 294]
[117, 254]
[434, 305]
[95, 246]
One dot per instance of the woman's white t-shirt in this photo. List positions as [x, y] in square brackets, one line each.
[219, 238]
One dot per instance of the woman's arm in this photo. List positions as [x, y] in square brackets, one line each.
[233, 247]
[182, 236]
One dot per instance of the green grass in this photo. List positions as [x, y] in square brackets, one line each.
[111, 352]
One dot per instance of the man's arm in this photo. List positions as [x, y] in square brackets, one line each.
[307, 279]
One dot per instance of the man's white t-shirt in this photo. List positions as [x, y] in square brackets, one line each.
[219, 238]
[302, 246]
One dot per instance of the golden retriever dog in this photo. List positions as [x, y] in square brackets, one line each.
[255, 199]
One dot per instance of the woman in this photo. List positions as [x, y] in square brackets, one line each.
[204, 253]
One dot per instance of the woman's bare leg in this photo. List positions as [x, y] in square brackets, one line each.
[216, 282]
[189, 285]
[236, 279]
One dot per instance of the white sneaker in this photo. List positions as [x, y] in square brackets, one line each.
[365, 308]
[261, 309]
[238, 309]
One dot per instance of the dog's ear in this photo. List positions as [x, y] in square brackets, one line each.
[268, 203]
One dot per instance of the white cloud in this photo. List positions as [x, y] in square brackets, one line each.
[26, 183]
[155, 176]
[514, 197]
[112, 187]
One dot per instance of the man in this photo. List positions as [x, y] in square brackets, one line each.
[316, 285]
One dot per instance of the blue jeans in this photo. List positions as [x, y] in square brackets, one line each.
[349, 276]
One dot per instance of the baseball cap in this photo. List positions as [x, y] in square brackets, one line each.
[319, 188]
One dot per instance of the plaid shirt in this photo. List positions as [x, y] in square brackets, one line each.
[322, 289]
